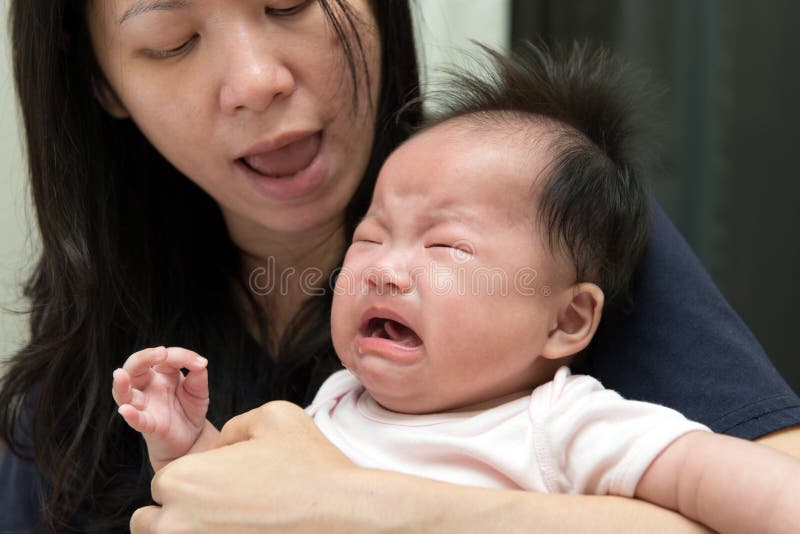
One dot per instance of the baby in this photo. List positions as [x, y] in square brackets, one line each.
[494, 240]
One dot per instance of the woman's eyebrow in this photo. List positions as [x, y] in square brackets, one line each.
[143, 6]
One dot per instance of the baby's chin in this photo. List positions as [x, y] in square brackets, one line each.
[438, 401]
[412, 407]
[417, 403]
[393, 393]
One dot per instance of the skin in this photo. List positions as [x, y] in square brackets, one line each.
[178, 103]
[482, 197]
[729, 484]
[451, 205]
[168, 408]
[245, 76]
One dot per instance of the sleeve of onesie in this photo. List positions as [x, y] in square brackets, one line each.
[590, 440]
[333, 389]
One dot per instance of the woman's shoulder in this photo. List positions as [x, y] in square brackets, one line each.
[684, 347]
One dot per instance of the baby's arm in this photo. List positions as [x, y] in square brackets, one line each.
[168, 408]
[728, 484]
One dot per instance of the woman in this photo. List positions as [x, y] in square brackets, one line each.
[279, 114]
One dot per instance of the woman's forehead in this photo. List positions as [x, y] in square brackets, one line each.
[125, 10]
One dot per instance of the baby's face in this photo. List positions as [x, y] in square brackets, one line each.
[443, 298]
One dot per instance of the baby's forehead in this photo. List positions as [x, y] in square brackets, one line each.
[499, 151]
[466, 164]
[533, 132]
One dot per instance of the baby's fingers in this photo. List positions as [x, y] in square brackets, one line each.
[123, 393]
[196, 384]
[121, 387]
[137, 419]
[179, 358]
[139, 363]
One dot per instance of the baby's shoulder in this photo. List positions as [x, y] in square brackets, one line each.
[335, 387]
[566, 387]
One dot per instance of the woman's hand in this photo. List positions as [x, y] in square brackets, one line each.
[274, 472]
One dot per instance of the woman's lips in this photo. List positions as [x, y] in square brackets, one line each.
[290, 172]
[286, 160]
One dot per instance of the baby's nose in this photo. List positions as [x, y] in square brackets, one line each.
[393, 277]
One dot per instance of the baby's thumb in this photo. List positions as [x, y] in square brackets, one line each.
[195, 383]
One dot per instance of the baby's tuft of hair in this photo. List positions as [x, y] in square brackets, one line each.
[592, 204]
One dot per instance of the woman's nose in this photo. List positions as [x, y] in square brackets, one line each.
[255, 74]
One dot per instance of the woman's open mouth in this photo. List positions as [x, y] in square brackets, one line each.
[286, 161]
[289, 172]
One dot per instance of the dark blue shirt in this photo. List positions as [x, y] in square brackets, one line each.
[19, 506]
[684, 347]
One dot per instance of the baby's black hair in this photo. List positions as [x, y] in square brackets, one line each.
[593, 204]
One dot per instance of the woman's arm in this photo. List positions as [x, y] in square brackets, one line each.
[275, 472]
[786, 440]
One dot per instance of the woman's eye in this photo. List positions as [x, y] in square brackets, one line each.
[286, 11]
[163, 54]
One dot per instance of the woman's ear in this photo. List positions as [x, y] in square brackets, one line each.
[109, 100]
[577, 321]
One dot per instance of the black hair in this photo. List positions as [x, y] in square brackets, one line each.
[593, 203]
[113, 277]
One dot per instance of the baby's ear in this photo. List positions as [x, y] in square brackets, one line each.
[578, 319]
[109, 100]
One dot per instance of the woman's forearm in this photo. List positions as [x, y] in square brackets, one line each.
[786, 440]
[370, 501]
[408, 504]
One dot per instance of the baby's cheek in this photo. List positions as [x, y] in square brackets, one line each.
[342, 320]
[462, 323]
[349, 281]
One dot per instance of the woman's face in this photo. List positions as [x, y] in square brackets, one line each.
[252, 100]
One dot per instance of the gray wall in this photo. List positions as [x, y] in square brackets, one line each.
[728, 175]
[15, 245]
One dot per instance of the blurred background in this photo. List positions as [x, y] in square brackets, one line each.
[724, 164]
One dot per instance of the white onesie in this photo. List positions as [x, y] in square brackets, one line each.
[569, 435]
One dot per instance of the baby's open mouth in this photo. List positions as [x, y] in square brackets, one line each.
[392, 330]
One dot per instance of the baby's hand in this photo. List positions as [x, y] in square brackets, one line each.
[154, 398]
